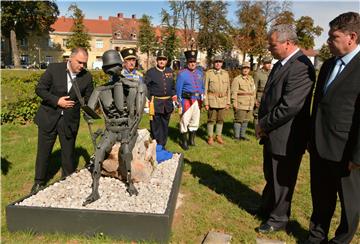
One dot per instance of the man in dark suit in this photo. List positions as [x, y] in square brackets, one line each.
[335, 138]
[283, 124]
[59, 112]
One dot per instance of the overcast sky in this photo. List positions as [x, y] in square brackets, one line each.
[321, 11]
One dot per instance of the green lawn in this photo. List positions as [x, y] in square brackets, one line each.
[219, 183]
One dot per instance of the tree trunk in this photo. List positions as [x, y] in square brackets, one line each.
[14, 49]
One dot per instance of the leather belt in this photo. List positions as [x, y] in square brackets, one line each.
[162, 98]
[245, 93]
[216, 94]
[190, 94]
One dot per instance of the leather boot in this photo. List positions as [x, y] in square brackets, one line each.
[192, 138]
[219, 139]
[184, 141]
[210, 140]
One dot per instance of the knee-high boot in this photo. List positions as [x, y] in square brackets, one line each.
[184, 141]
[192, 138]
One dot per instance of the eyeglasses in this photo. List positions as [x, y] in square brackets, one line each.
[218, 61]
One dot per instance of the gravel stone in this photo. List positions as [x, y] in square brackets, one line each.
[71, 192]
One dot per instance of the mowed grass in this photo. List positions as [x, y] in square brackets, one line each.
[219, 184]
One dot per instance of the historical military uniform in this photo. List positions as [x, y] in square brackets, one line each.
[128, 53]
[260, 79]
[243, 93]
[189, 91]
[161, 92]
[217, 97]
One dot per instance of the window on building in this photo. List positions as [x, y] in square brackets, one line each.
[65, 41]
[118, 35]
[24, 59]
[49, 59]
[23, 42]
[133, 36]
[99, 44]
[51, 42]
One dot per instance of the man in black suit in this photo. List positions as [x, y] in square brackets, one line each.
[335, 138]
[59, 112]
[283, 124]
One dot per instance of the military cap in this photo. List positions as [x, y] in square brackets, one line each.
[128, 53]
[191, 55]
[161, 53]
[246, 64]
[266, 59]
[218, 58]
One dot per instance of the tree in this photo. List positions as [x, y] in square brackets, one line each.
[214, 28]
[285, 17]
[79, 37]
[170, 40]
[19, 18]
[147, 40]
[255, 17]
[306, 31]
[251, 37]
[324, 52]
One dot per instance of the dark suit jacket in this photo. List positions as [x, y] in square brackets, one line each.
[53, 85]
[284, 108]
[336, 114]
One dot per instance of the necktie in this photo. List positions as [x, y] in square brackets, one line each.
[276, 69]
[336, 71]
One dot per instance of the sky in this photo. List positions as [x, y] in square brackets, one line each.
[321, 11]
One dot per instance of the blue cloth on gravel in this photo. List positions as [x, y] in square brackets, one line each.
[162, 154]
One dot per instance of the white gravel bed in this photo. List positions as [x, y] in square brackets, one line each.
[71, 193]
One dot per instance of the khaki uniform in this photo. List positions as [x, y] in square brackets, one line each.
[243, 92]
[217, 88]
[260, 79]
[217, 97]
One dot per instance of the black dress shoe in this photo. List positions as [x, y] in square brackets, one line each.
[36, 188]
[266, 229]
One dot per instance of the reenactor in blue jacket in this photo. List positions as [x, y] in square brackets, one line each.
[161, 94]
[190, 92]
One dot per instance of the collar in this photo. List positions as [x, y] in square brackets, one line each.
[129, 72]
[69, 69]
[217, 71]
[161, 70]
[348, 57]
[284, 61]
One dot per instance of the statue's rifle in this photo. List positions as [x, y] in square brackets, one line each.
[88, 111]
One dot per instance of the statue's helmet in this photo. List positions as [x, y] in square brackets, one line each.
[111, 59]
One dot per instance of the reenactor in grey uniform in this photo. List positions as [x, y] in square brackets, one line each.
[260, 79]
[217, 98]
[243, 92]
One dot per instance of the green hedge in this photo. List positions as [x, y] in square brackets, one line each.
[19, 102]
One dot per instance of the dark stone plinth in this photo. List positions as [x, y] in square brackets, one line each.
[119, 225]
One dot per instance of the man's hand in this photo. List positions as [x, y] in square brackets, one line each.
[257, 104]
[259, 132]
[353, 166]
[65, 102]
[227, 106]
[207, 107]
